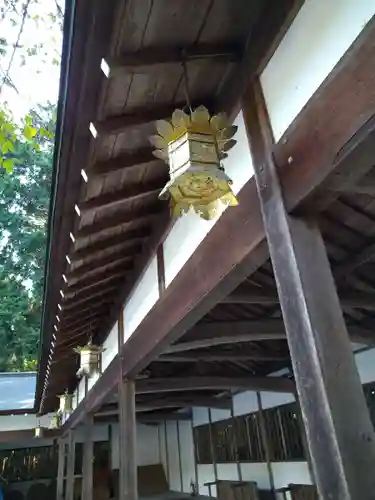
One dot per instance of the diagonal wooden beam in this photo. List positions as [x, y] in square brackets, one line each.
[146, 59]
[273, 384]
[357, 260]
[126, 160]
[125, 194]
[109, 267]
[132, 241]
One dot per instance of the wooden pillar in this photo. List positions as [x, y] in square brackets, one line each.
[127, 434]
[69, 488]
[338, 427]
[265, 442]
[60, 470]
[88, 460]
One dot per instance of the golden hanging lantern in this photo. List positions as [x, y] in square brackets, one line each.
[194, 145]
[39, 431]
[90, 357]
[66, 403]
[55, 421]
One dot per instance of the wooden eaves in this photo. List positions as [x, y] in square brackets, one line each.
[317, 150]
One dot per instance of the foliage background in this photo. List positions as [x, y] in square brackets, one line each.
[30, 44]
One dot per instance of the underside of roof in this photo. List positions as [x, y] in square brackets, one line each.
[104, 231]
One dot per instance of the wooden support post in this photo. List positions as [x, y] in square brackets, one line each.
[61, 470]
[212, 448]
[127, 431]
[69, 487]
[88, 460]
[265, 441]
[339, 431]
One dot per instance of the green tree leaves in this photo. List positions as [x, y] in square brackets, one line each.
[24, 201]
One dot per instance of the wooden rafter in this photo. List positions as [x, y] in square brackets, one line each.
[97, 279]
[266, 297]
[140, 217]
[124, 195]
[73, 303]
[274, 384]
[136, 116]
[104, 262]
[98, 305]
[129, 241]
[112, 281]
[139, 62]
[219, 356]
[126, 160]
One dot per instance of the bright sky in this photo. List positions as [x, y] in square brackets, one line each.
[35, 68]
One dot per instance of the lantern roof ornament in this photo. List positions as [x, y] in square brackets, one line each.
[194, 144]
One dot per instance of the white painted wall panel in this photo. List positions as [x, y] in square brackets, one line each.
[142, 299]
[206, 474]
[285, 473]
[147, 445]
[173, 457]
[366, 365]
[217, 414]
[245, 402]
[319, 36]
[92, 381]
[271, 399]
[111, 347]
[22, 422]
[200, 416]
[81, 389]
[190, 230]
[163, 450]
[256, 472]
[187, 455]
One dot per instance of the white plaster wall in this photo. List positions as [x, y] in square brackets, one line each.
[81, 389]
[147, 445]
[92, 381]
[75, 400]
[173, 457]
[319, 36]
[190, 230]
[285, 473]
[142, 299]
[271, 399]
[22, 422]
[200, 416]
[245, 402]
[187, 455]
[110, 347]
[366, 365]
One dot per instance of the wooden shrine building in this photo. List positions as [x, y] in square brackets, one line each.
[226, 357]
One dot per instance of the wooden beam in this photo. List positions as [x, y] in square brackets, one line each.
[222, 403]
[273, 384]
[73, 303]
[347, 97]
[125, 194]
[347, 299]
[126, 160]
[69, 481]
[144, 216]
[127, 435]
[86, 292]
[60, 469]
[126, 240]
[71, 314]
[213, 334]
[109, 263]
[136, 116]
[340, 434]
[146, 59]
[162, 416]
[222, 356]
[96, 280]
[88, 460]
